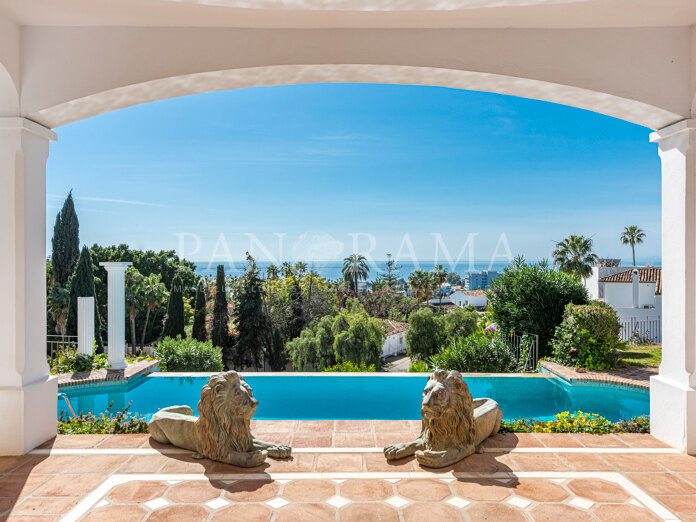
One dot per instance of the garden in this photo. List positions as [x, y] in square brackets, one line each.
[292, 319]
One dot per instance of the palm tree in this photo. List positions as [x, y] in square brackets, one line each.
[379, 284]
[574, 256]
[272, 272]
[300, 269]
[341, 291]
[154, 293]
[58, 306]
[134, 299]
[439, 277]
[421, 284]
[286, 269]
[632, 236]
[355, 269]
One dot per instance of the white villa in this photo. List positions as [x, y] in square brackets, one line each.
[464, 298]
[395, 341]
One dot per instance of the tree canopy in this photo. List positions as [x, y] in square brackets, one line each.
[573, 255]
[532, 298]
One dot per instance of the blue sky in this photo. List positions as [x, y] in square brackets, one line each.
[301, 168]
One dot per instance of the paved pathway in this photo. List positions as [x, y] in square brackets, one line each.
[543, 477]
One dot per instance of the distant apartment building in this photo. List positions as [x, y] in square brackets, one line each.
[480, 280]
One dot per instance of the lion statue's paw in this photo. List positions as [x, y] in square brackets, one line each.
[432, 459]
[393, 452]
[279, 451]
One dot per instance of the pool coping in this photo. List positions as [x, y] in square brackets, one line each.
[344, 374]
[572, 376]
[106, 375]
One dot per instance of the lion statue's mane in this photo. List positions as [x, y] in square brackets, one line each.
[454, 423]
[222, 420]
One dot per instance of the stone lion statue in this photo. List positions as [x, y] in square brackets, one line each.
[454, 424]
[221, 432]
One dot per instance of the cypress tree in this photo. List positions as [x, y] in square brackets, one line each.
[296, 310]
[218, 332]
[81, 284]
[199, 332]
[252, 322]
[65, 243]
[175, 311]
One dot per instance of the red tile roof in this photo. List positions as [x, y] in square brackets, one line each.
[645, 275]
[395, 327]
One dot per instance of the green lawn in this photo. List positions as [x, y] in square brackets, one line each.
[641, 355]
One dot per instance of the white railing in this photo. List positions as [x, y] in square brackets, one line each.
[641, 331]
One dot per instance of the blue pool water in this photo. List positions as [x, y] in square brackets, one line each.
[365, 397]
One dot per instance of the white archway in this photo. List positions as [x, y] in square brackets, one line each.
[121, 97]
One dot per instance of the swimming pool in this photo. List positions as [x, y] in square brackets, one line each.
[379, 396]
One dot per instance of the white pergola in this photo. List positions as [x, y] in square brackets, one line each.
[65, 60]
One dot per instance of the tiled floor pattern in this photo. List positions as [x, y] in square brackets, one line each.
[367, 499]
[549, 477]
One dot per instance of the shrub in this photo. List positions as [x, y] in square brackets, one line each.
[532, 298]
[67, 360]
[84, 423]
[577, 422]
[475, 353]
[460, 323]
[518, 426]
[639, 424]
[419, 367]
[347, 366]
[588, 337]
[188, 355]
[426, 334]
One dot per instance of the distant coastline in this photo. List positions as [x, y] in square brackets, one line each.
[332, 269]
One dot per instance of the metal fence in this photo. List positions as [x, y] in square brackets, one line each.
[642, 331]
[53, 342]
[525, 348]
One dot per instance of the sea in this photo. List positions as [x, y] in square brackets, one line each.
[332, 269]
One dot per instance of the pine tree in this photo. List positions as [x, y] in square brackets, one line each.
[296, 310]
[199, 332]
[81, 284]
[218, 332]
[175, 311]
[65, 243]
[252, 322]
[390, 278]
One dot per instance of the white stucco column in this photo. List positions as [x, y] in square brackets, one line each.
[27, 392]
[85, 325]
[673, 391]
[117, 314]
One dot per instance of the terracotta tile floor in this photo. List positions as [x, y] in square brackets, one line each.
[518, 477]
